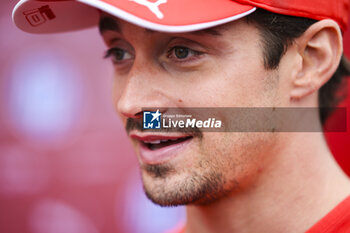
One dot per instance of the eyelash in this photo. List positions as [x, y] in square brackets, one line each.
[195, 54]
[191, 54]
[112, 53]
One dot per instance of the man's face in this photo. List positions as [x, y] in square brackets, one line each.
[219, 67]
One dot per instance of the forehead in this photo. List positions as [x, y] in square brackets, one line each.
[226, 38]
[110, 23]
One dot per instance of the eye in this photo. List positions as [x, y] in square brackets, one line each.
[182, 53]
[118, 55]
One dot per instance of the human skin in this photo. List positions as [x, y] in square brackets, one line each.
[231, 182]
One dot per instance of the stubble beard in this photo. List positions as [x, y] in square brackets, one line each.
[163, 186]
[220, 173]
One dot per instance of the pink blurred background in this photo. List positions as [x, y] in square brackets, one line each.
[66, 165]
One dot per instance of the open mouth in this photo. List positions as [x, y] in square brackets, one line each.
[158, 149]
[158, 144]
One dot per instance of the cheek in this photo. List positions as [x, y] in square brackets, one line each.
[228, 83]
[239, 156]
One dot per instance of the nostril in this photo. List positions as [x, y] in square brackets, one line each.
[139, 115]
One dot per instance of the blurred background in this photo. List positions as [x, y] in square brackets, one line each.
[66, 165]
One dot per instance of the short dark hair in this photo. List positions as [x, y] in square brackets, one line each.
[278, 32]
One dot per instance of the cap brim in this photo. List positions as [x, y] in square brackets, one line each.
[49, 16]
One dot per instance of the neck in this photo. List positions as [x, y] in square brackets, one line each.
[293, 192]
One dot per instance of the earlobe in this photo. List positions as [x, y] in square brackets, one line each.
[320, 48]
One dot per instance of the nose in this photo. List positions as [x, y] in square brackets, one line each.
[140, 91]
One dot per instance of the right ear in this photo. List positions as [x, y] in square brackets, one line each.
[320, 48]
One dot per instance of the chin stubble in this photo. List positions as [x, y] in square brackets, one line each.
[197, 189]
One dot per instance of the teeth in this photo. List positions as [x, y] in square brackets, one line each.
[153, 142]
[159, 141]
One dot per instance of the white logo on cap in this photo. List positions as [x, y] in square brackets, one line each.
[152, 6]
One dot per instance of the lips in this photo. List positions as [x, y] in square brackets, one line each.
[158, 144]
[156, 149]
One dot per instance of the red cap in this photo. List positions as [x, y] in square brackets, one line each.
[338, 10]
[46, 16]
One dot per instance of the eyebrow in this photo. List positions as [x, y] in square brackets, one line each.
[109, 24]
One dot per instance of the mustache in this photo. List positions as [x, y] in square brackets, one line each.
[136, 124]
[133, 124]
